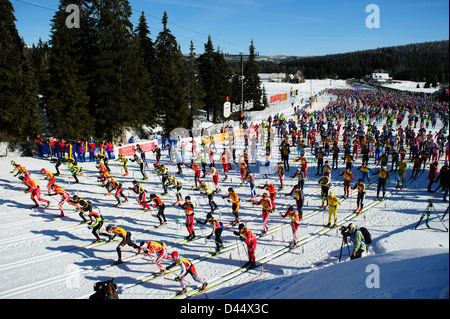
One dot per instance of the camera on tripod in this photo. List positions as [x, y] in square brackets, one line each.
[345, 233]
[430, 202]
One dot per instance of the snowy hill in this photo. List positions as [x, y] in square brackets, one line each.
[44, 257]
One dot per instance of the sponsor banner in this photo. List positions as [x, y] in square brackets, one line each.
[130, 149]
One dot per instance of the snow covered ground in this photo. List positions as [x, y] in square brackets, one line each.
[42, 256]
[411, 86]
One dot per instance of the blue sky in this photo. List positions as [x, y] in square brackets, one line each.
[277, 27]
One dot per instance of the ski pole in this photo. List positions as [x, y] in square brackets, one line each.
[178, 219]
[239, 251]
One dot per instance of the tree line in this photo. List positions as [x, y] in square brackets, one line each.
[108, 75]
[421, 62]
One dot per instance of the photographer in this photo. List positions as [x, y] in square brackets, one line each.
[443, 179]
[359, 246]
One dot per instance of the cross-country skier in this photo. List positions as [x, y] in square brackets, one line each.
[112, 232]
[333, 203]
[186, 268]
[383, 175]
[304, 166]
[177, 184]
[216, 230]
[124, 161]
[141, 164]
[365, 172]
[251, 180]
[50, 177]
[295, 221]
[301, 178]
[361, 193]
[285, 150]
[64, 197]
[155, 250]
[247, 236]
[22, 172]
[101, 157]
[140, 191]
[267, 207]
[225, 164]
[142, 154]
[96, 224]
[210, 193]
[272, 192]
[235, 203]
[114, 185]
[158, 203]
[215, 178]
[348, 176]
[197, 172]
[243, 169]
[157, 151]
[76, 170]
[35, 191]
[82, 206]
[281, 173]
[188, 207]
[325, 187]
[348, 160]
[299, 199]
[401, 173]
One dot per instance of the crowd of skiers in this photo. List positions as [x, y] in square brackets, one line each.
[356, 124]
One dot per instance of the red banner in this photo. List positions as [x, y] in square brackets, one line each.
[130, 150]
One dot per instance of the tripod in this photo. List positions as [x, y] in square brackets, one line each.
[427, 212]
[344, 241]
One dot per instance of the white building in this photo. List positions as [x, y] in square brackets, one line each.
[380, 77]
[272, 77]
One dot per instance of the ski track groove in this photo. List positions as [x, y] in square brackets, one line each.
[64, 277]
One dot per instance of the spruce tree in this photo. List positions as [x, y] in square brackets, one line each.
[194, 91]
[252, 82]
[215, 74]
[222, 85]
[65, 96]
[38, 55]
[170, 97]
[265, 101]
[236, 88]
[113, 83]
[19, 116]
[141, 96]
[207, 71]
[146, 71]
[143, 34]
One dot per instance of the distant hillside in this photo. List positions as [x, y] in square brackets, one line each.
[427, 61]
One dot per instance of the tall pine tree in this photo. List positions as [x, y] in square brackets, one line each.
[215, 74]
[194, 91]
[222, 84]
[65, 97]
[19, 116]
[207, 71]
[170, 97]
[146, 65]
[252, 82]
[148, 50]
[113, 83]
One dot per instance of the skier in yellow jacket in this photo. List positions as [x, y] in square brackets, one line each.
[333, 203]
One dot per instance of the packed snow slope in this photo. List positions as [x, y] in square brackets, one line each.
[46, 257]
